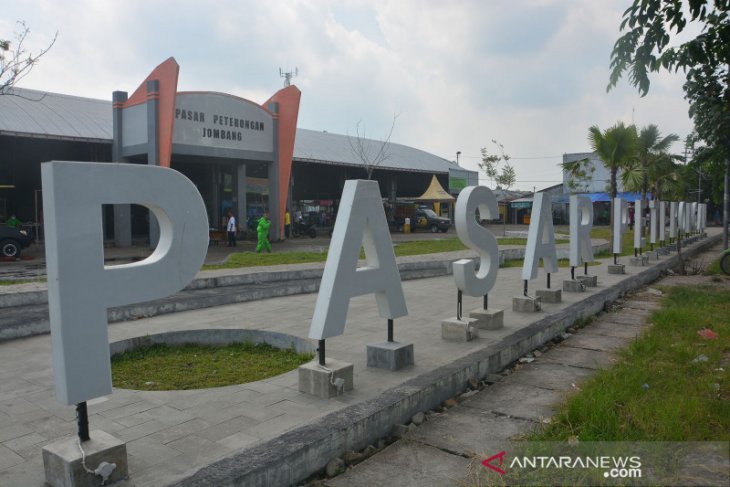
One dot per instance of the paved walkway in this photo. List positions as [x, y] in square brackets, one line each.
[449, 447]
[450, 444]
[171, 435]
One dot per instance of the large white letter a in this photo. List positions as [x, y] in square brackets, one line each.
[360, 222]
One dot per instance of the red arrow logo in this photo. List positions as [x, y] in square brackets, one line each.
[488, 462]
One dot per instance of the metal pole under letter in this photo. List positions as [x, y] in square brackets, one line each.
[458, 304]
[320, 352]
[82, 420]
[390, 330]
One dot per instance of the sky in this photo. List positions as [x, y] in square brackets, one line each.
[457, 74]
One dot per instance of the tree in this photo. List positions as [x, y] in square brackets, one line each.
[650, 162]
[505, 178]
[615, 147]
[370, 153]
[580, 173]
[705, 59]
[15, 62]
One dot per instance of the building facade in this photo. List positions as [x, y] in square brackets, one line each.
[242, 156]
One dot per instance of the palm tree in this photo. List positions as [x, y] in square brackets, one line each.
[615, 147]
[652, 164]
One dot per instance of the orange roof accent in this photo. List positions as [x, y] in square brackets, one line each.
[166, 74]
[288, 99]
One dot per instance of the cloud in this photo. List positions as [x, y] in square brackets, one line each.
[530, 73]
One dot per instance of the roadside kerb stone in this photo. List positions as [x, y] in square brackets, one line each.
[306, 450]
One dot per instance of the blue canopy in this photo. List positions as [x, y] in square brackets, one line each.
[603, 197]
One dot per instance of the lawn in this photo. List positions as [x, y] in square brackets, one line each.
[671, 384]
[417, 247]
[164, 368]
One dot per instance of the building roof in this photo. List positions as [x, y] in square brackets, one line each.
[31, 113]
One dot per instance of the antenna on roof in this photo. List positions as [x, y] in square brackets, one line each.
[288, 75]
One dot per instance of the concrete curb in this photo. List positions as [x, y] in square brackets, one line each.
[26, 314]
[306, 450]
[26, 298]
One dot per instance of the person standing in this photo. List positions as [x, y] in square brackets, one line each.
[13, 222]
[231, 228]
[287, 223]
[262, 229]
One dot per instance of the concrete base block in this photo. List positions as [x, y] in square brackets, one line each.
[587, 280]
[573, 286]
[488, 319]
[463, 330]
[526, 304]
[652, 255]
[550, 295]
[616, 269]
[390, 355]
[639, 261]
[672, 247]
[317, 381]
[63, 466]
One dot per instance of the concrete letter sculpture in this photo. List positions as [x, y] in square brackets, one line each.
[620, 222]
[581, 223]
[477, 238]
[673, 213]
[540, 239]
[639, 240]
[360, 222]
[81, 288]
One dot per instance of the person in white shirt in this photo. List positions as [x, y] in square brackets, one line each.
[231, 228]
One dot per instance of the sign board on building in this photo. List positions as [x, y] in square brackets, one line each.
[461, 178]
[221, 121]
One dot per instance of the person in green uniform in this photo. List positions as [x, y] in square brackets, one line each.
[13, 222]
[262, 229]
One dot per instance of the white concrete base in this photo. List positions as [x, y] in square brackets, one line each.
[455, 330]
[62, 461]
[488, 319]
[587, 280]
[322, 381]
[573, 286]
[652, 255]
[550, 295]
[616, 269]
[525, 304]
[390, 355]
[639, 261]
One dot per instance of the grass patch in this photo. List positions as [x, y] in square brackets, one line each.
[657, 391]
[713, 269]
[13, 282]
[402, 249]
[164, 368]
[252, 259]
[627, 241]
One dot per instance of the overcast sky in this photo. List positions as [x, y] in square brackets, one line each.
[530, 73]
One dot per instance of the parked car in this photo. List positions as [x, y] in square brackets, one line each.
[13, 241]
[421, 218]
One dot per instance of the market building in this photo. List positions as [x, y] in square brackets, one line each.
[242, 156]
